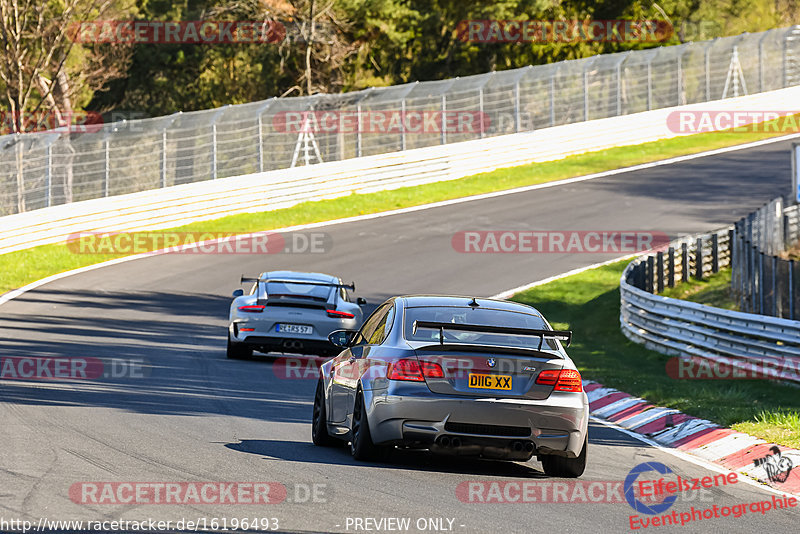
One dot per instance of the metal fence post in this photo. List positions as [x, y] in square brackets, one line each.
[214, 151]
[785, 61]
[714, 253]
[444, 130]
[680, 78]
[774, 286]
[107, 174]
[480, 110]
[553, 97]
[671, 280]
[585, 94]
[660, 272]
[403, 130]
[761, 62]
[685, 262]
[649, 84]
[698, 259]
[164, 158]
[791, 290]
[48, 175]
[650, 271]
[260, 144]
[516, 107]
[707, 53]
[761, 283]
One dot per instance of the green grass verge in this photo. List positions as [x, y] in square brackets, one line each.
[588, 304]
[22, 267]
[714, 290]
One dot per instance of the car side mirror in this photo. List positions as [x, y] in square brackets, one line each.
[341, 338]
[238, 293]
[361, 301]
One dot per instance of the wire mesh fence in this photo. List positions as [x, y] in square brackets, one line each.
[38, 170]
[762, 281]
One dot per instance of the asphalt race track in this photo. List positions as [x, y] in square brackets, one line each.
[191, 415]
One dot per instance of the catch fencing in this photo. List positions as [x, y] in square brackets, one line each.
[765, 279]
[46, 169]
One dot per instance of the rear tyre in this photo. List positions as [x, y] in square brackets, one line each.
[319, 425]
[361, 446]
[558, 466]
[238, 351]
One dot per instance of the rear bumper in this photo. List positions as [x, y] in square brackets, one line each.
[483, 426]
[291, 345]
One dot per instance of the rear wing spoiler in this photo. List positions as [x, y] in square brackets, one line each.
[351, 286]
[564, 336]
[333, 297]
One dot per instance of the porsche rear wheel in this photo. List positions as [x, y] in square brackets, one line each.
[238, 351]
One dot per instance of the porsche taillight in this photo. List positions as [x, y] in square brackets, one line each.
[340, 314]
[562, 379]
[252, 308]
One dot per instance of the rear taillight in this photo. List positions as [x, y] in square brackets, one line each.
[562, 379]
[414, 371]
[340, 314]
[252, 308]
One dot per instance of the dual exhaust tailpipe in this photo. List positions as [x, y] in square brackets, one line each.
[454, 442]
[447, 442]
[519, 446]
[291, 344]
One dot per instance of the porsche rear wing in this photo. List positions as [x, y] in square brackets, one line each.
[351, 286]
[333, 297]
[564, 336]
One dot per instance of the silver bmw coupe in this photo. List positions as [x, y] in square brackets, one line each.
[459, 376]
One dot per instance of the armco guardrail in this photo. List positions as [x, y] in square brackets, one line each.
[687, 329]
[52, 168]
[181, 204]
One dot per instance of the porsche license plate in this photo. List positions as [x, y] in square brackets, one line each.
[295, 329]
[478, 381]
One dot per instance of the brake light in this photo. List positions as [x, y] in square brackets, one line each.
[562, 379]
[340, 314]
[252, 308]
[412, 370]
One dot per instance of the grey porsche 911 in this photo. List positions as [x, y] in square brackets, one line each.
[459, 376]
[291, 312]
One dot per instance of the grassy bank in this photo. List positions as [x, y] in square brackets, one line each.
[23, 267]
[588, 303]
[714, 290]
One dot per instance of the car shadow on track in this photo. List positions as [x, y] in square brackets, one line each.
[413, 460]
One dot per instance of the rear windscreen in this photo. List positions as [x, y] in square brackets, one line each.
[475, 316]
[277, 290]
